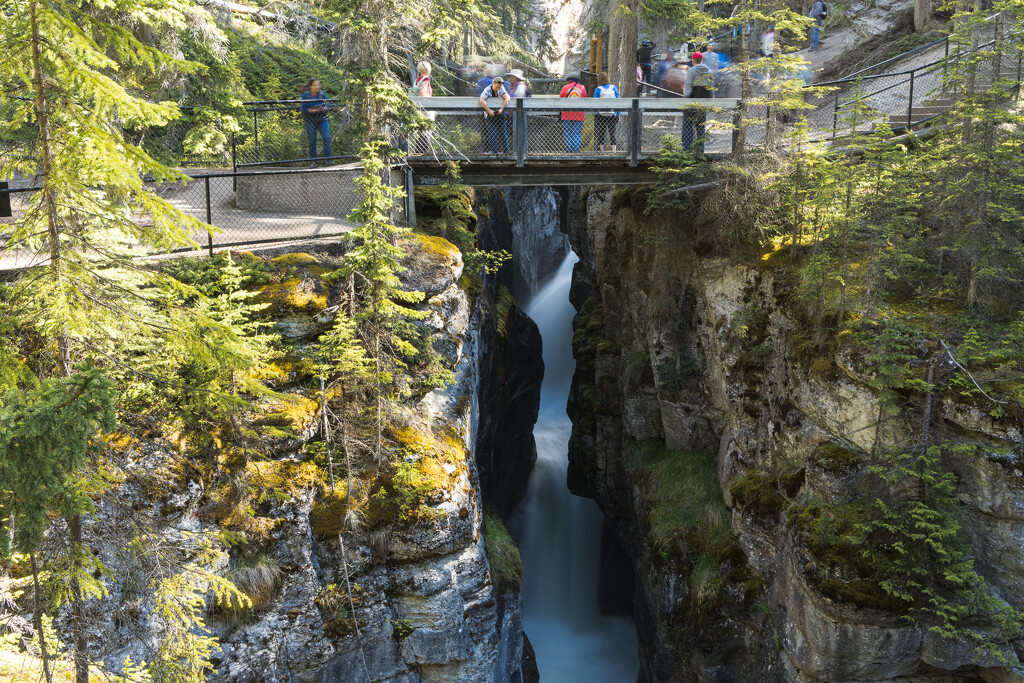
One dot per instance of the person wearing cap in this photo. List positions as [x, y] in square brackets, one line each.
[517, 84]
[644, 53]
[572, 121]
[699, 83]
[494, 121]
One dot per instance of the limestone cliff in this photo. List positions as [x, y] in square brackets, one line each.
[409, 594]
[687, 350]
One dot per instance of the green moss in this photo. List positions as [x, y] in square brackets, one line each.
[835, 459]
[503, 554]
[757, 491]
[685, 512]
[829, 535]
[327, 517]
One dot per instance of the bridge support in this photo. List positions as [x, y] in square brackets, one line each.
[410, 198]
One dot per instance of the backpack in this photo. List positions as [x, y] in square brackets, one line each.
[574, 92]
[703, 81]
[824, 10]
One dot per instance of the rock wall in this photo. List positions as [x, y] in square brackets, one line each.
[426, 609]
[701, 352]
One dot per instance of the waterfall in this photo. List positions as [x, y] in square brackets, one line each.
[561, 533]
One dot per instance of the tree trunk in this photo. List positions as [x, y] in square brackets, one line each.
[614, 40]
[37, 614]
[56, 267]
[629, 33]
[77, 618]
[922, 15]
[740, 120]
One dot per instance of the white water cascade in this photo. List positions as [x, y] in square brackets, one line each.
[561, 533]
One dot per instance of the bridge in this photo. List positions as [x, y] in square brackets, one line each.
[528, 146]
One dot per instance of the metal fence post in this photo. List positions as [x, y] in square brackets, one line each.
[835, 116]
[209, 216]
[519, 132]
[5, 200]
[256, 134]
[910, 101]
[636, 129]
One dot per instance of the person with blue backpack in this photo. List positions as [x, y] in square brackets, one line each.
[605, 122]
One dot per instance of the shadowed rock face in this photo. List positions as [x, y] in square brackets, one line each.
[667, 365]
[511, 370]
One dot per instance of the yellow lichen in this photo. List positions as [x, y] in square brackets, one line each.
[293, 294]
[290, 410]
[437, 247]
[297, 259]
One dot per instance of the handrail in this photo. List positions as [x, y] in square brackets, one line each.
[584, 104]
[902, 55]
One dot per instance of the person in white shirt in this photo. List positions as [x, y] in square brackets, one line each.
[494, 121]
[517, 84]
[605, 122]
[768, 42]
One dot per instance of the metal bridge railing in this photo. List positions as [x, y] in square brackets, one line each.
[532, 130]
[246, 208]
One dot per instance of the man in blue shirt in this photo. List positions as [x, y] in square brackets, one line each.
[818, 15]
[314, 116]
[314, 108]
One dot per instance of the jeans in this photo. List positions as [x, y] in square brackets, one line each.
[815, 32]
[496, 131]
[573, 131]
[645, 69]
[314, 125]
[693, 129]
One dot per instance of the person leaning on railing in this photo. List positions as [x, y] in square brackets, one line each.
[314, 116]
[699, 83]
[494, 121]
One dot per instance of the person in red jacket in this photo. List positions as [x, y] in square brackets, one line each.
[572, 121]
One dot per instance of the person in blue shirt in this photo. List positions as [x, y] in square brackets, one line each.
[605, 122]
[818, 13]
[314, 115]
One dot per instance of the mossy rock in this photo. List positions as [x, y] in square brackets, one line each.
[296, 259]
[433, 264]
[292, 414]
[835, 459]
[757, 491]
[294, 294]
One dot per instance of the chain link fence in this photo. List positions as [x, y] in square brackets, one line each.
[277, 134]
[245, 208]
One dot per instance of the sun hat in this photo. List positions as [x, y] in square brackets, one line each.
[518, 73]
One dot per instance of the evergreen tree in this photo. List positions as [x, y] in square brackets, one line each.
[378, 261]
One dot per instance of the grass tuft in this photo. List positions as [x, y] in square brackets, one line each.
[506, 565]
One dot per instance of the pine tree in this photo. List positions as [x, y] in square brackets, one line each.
[377, 260]
[92, 206]
[46, 435]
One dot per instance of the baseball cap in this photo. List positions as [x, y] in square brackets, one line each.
[697, 55]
